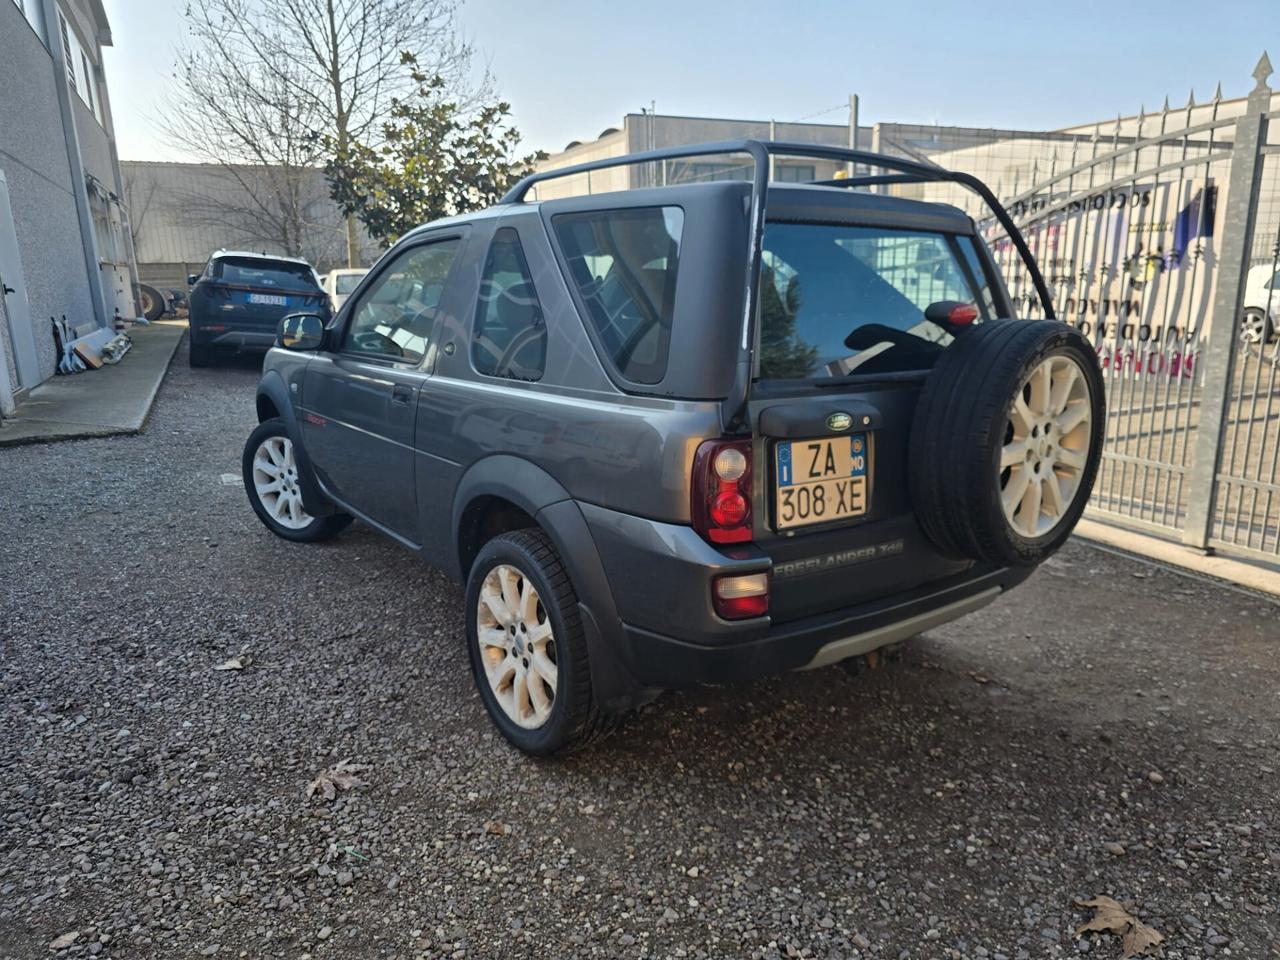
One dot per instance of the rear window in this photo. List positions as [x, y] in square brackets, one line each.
[346, 282]
[624, 264]
[838, 300]
[264, 273]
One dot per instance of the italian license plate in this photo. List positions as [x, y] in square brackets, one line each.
[821, 480]
[269, 299]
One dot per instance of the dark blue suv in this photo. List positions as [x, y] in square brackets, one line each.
[239, 299]
[687, 434]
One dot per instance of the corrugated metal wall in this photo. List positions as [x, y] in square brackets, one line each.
[182, 212]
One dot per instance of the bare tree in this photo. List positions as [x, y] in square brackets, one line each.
[137, 200]
[275, 83]
[236, 108]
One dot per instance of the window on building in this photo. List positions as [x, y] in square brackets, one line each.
[79, 68]
[510, 336]
[67, 51]
[88, 83]
[794, 172]
[719, 171]
[34, 15]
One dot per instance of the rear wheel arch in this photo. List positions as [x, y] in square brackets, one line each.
[485, 517]
[513, 489]
[496, 495]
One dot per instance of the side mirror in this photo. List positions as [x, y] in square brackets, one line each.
[193, 279]
[300, 331]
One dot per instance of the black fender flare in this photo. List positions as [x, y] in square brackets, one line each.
[274, 389]
[532, 489]
[509, 478]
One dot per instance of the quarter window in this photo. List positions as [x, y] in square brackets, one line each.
[395, 316]
[624, 264]
[510, 336]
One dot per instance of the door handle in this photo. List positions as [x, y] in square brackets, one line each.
[401, 394]
[8, 290]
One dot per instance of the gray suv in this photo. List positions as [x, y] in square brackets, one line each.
[686, 434]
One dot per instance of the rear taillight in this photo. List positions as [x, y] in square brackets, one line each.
[741, 597]
[722, 491]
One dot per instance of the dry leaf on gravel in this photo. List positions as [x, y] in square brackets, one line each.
[236, 663]
[1110, 917]
[496, 827]
[341, 776]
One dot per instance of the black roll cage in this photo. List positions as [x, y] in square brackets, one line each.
[734, 409]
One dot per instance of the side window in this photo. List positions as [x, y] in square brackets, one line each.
[624, 263]
[395, 315]
[510, 336]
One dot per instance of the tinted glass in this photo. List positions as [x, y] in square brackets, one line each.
[395, 315]
[510, 338]
[263, 273]
[346, 282]
[624, 263]
[835, 300]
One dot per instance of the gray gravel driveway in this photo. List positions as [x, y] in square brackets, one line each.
[1110, 728]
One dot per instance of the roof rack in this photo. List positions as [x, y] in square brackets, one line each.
[734, 408]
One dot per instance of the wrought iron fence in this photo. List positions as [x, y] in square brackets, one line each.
[1160, 238]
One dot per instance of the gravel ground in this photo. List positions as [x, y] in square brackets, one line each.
[1110, 728]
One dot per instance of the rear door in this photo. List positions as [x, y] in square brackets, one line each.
[845, 348]
[360, 401]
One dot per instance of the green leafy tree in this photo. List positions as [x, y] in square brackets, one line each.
[435, 158]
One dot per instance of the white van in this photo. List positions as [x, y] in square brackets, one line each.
[339, 283]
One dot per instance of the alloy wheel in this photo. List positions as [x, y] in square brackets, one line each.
[517, 646]
[1046, 446]
[1254, 327]
[275, 480]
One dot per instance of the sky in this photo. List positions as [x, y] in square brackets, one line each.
[571, 69]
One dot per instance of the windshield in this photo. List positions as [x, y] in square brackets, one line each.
[264, 273]
[346, 282]
[837, 300]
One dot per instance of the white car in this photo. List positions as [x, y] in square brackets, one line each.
[339, 283]
[1261, 304]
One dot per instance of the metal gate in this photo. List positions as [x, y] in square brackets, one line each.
[1160, 239]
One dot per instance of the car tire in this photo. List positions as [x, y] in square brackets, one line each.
[268, 460]
[518, 642]
[199, 355]
[1255, 326]
[1006, 440]
[152, 302]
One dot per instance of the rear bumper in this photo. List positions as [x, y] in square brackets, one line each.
[657, 660]
[660, 576]
[230, 338]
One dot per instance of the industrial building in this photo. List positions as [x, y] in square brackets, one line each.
[65, 249]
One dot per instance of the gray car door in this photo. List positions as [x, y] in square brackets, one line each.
[360, 400]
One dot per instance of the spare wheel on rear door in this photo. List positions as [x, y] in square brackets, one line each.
[1006, 440]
